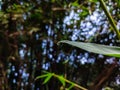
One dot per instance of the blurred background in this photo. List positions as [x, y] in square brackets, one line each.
[30, 30]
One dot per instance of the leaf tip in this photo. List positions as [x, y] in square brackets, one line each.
[62, 41]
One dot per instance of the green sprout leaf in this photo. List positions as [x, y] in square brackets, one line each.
[76, 4]
[48, 78]
[41, 76]
[71, 86]
[61, 79]
[85, 11]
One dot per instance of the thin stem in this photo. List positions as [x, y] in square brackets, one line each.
[111, 20]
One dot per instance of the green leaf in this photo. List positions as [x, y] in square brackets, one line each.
[48, 78]
[66, 61]
[108, 88]
[71, 86]
[61, 79]
[95, 48]
[76, 4]
[85, 12]
[118, 2]
[53, 1]
[42, 76]
[93, 1]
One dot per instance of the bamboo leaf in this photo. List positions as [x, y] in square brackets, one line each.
[61, 79]
[95, 48]
[42, 76]
[71, 86]
[48, 78]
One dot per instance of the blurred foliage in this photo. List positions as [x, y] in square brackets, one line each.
[30, 30]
